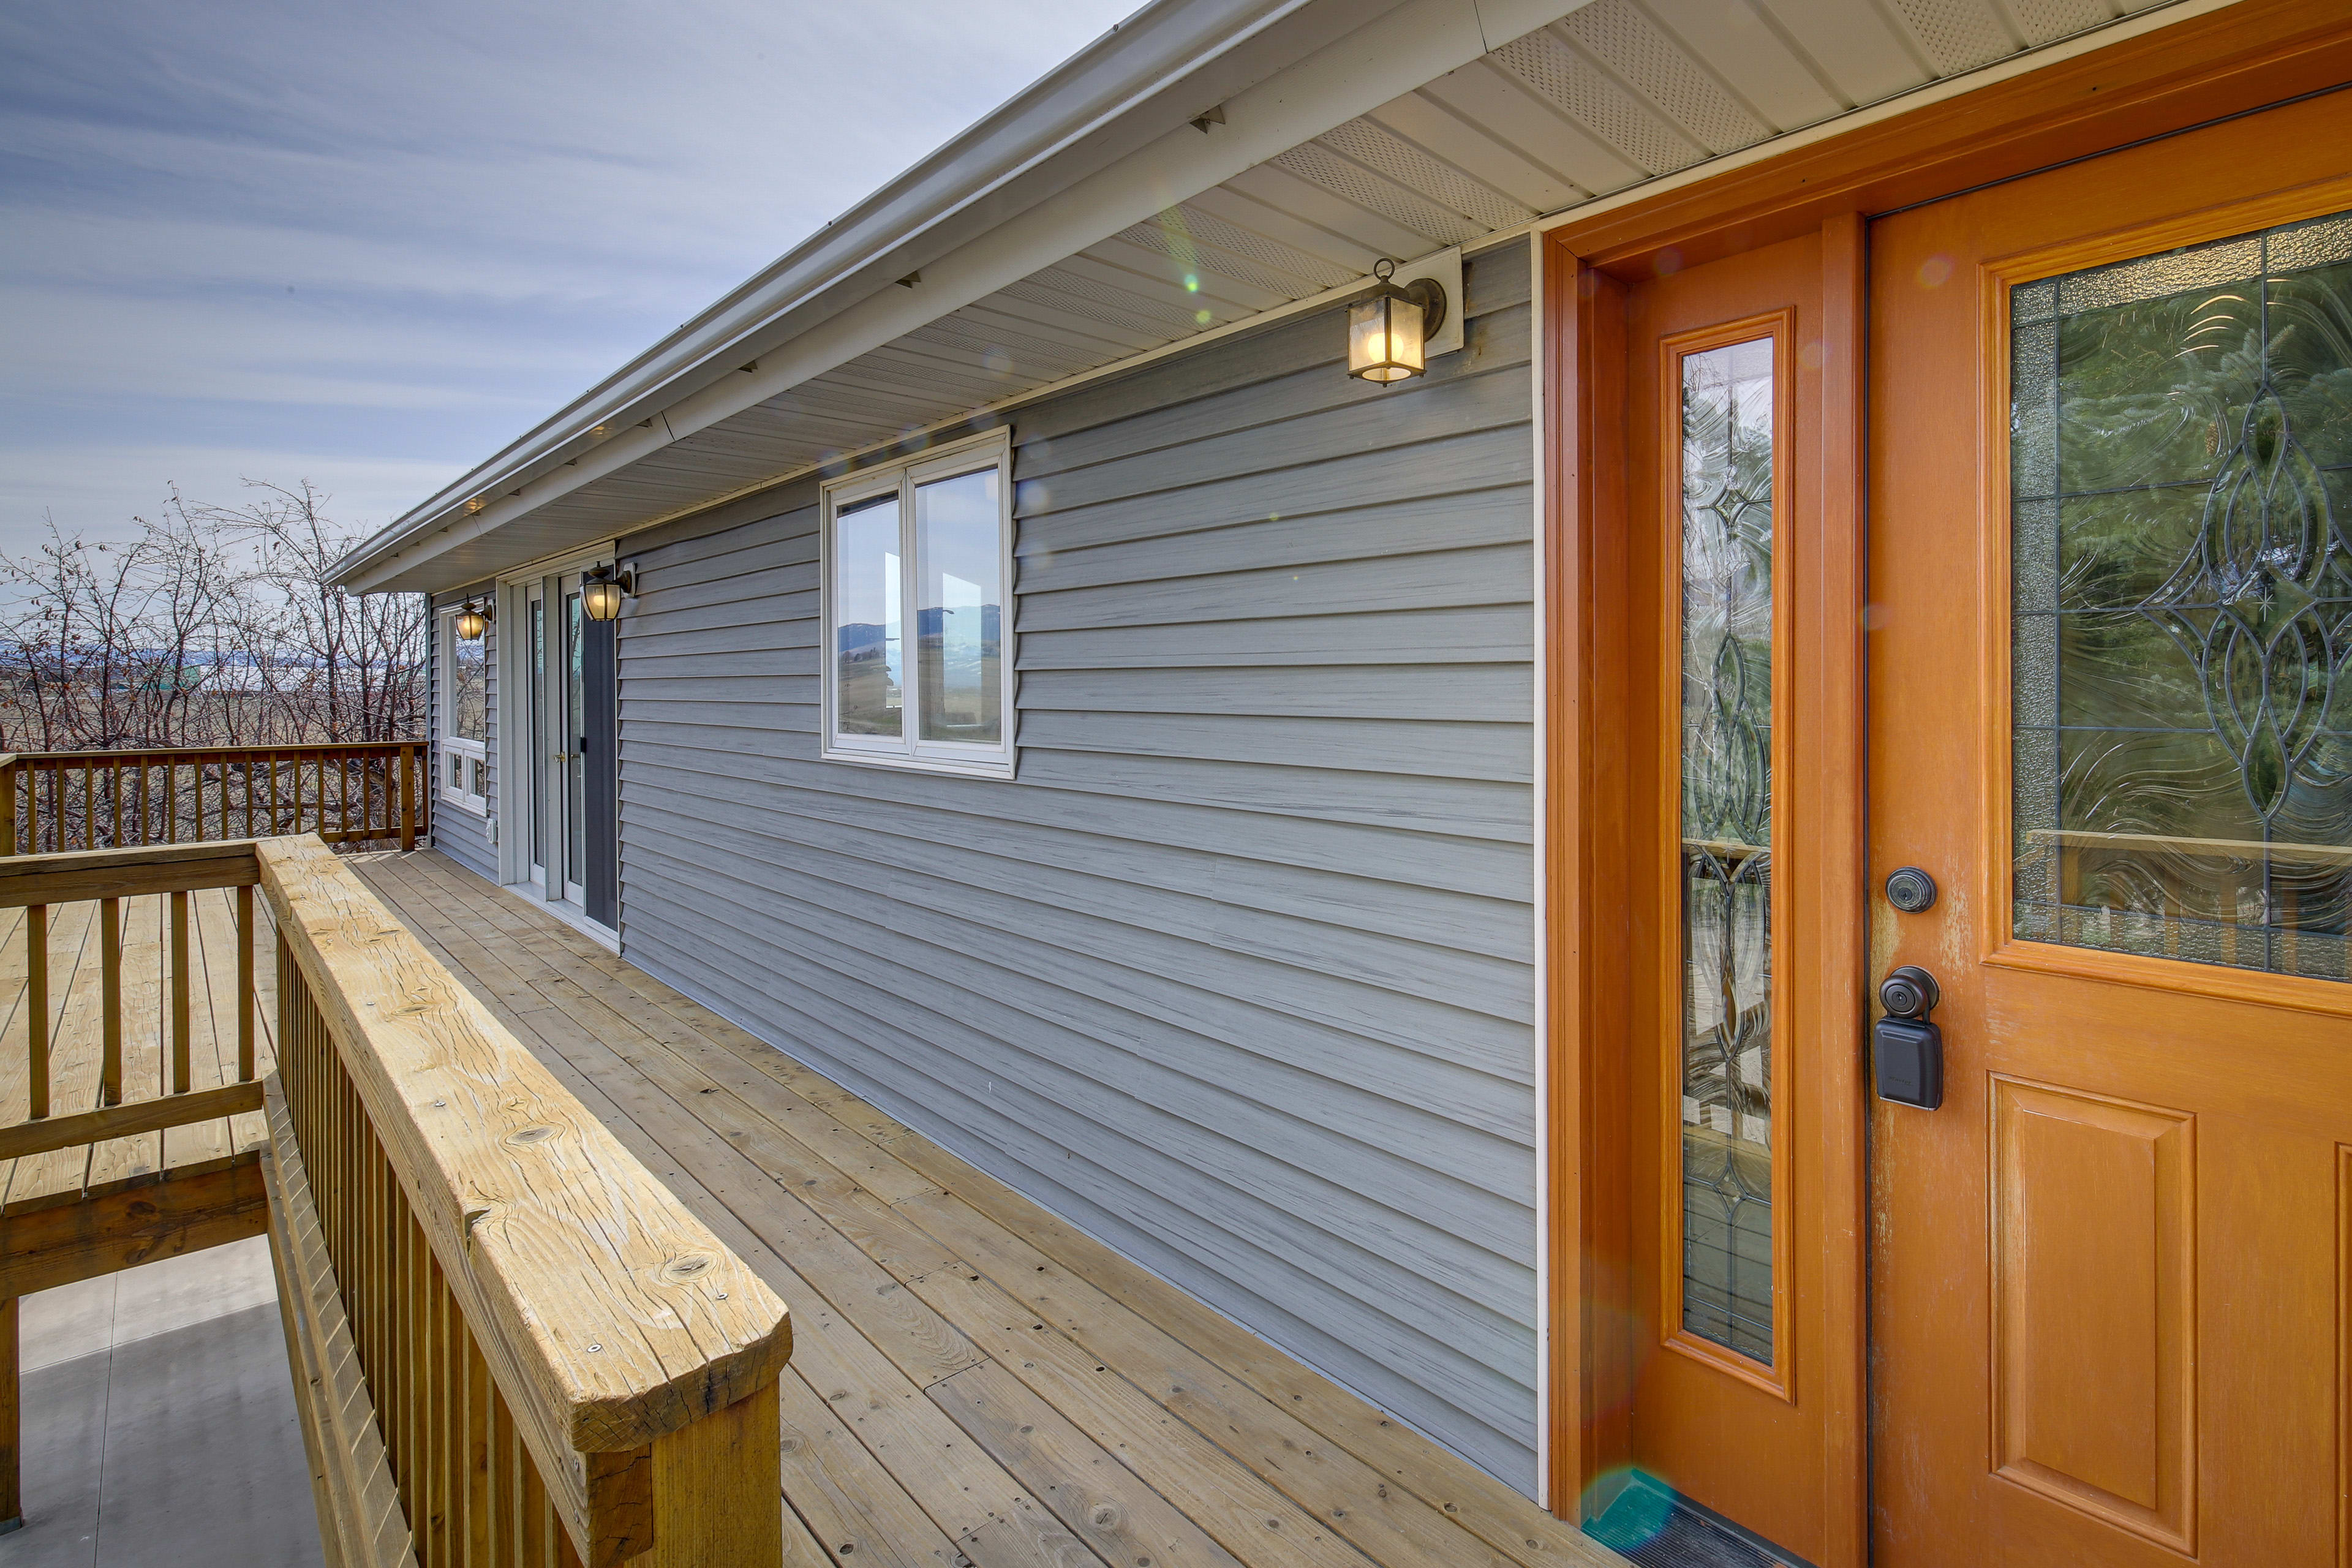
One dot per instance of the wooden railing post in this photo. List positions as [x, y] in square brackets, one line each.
[715, 1500]
[9, 771]
[11, 1479]
[407, 800]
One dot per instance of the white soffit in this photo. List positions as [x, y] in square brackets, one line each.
[1611, 95]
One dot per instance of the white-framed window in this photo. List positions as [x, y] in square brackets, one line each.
[462, 757]
[917, 562]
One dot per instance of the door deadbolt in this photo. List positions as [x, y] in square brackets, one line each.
[1907, 1049]
[1911, 890]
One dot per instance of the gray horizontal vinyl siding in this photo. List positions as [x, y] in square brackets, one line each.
[457, 832]
[1237, 974]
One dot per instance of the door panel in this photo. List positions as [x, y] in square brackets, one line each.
[2094, 1347]
[2111, 713]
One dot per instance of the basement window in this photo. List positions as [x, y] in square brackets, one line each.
[462, 753]
[918, 560]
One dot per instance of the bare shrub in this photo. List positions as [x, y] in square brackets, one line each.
[213, 626]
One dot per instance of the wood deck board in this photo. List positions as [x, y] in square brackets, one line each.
[77, 1038]
[973, 1376]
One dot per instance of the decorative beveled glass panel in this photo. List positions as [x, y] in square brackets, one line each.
[2181, 459]
[1727, 845]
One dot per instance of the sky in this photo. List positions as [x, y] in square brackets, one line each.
[368, 245]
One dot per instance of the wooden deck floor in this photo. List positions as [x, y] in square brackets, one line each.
[973, 1383]
[100, 1170]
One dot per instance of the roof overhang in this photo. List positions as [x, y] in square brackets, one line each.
[1097, 221]
[1104, 141]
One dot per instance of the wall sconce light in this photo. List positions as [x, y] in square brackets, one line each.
[603, 589]
[473, 618]
[1388, 328]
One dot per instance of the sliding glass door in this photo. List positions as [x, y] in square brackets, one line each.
[567, 798]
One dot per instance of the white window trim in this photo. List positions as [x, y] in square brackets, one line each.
[908, 751]
[445, 746]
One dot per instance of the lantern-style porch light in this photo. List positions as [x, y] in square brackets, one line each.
[603, 590]
[471, 620]
[1389, 328]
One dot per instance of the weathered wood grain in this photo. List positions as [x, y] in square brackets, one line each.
[611, 1318]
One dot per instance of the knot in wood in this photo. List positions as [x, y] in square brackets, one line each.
[528, 1135]
[690, 1267]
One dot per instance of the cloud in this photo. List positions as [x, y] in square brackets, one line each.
[369, 245]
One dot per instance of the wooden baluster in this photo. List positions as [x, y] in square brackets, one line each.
[246, 772]
[273, 793]
[114, 799]
[180, 993]
[171, 802]
[442, 1500]
[109, 1000]
[408, 799]
[506, 1485]
[12, 1485]
[481, 1475]
[245, 934]
[8, 808]
[37, 1005]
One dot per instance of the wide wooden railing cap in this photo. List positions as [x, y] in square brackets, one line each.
[622, 1311]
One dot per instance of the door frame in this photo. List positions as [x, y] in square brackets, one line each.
[2146, 77]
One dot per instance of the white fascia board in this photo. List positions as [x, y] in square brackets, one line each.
[1397, 50]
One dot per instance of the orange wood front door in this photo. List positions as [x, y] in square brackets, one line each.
[2111, 715]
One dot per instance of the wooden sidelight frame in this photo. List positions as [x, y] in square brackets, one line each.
[1601, 881]
[2149, 77]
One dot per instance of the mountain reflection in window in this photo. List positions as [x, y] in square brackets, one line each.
[869, 676]
[958, 618]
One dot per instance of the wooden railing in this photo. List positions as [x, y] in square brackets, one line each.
[53, 802]
[77, 1087]
[521, 1348]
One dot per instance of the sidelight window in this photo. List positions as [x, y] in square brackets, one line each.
[918, 658]
[1727, 460]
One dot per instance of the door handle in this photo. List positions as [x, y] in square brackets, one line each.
[1906, 1050]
